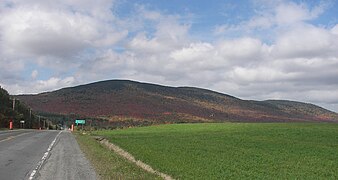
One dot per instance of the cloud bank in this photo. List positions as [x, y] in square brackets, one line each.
[276, 53]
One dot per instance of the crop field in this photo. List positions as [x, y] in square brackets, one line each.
[235, 150]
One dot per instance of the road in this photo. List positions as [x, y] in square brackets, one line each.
[24, 154]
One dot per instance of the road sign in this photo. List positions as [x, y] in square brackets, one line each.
[80, 121]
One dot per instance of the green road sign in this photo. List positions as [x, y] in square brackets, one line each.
[80, 121]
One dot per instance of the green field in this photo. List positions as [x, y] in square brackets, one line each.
[235, 150]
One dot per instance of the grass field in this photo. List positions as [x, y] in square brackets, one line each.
[109, 165]
[235, 150]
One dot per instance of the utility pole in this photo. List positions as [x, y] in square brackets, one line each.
[30, 117]
[12, 121]
[39, 123]
[13, 104]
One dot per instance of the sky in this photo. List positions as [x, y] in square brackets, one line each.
[251, 49]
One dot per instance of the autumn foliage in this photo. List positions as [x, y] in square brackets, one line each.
[119, 100]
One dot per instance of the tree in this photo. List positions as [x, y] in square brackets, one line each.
[20, 113]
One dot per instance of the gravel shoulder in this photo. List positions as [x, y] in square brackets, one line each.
[67, 161]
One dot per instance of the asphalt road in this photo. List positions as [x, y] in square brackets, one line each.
[22, 151]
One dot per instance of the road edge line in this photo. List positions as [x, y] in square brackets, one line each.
[44, 157]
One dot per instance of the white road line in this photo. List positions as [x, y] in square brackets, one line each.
[44, 157]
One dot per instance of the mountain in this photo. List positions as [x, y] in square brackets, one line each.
[122, 100]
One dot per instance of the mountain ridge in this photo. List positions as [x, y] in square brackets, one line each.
[121, 99]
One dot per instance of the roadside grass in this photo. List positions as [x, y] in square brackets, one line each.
[107, 164]
[235, 150]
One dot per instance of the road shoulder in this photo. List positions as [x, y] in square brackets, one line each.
[67, 161]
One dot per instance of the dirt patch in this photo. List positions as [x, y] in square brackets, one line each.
[131, 158]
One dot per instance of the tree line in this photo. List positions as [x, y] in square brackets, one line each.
[16, 113]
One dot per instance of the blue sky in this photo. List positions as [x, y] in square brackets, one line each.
[252, 49]
[204, 16]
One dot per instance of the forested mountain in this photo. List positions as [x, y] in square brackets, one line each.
[123, 100]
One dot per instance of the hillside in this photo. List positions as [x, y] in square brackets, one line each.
[118, 100]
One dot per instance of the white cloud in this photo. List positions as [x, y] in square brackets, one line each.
[169, 34]
[257, 74]
[63, 29]
[288, 13]
[83, 41]
[240, 49]
[307, 41]
[142, 44]
[38, 86]
[195, 51]
[105, 65]
[10, 70]
[334, 30]
[53, 83]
